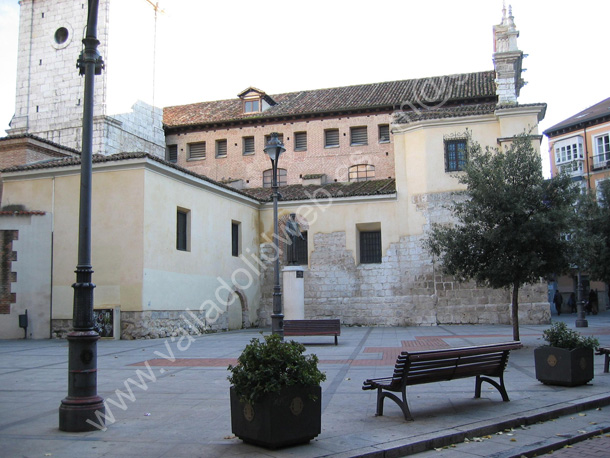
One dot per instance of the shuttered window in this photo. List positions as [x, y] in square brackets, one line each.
[221, 148]
[280, 137]
[172, 153]
[370, 247]
[384, 133]
[331, 138]
[300, 141]
[248, 143]
[358, 136]
[197, 150]
[268, 178]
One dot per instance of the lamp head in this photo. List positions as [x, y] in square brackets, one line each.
[274, 147]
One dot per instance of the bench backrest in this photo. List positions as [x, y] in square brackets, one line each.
[330, 326]
[413, 368]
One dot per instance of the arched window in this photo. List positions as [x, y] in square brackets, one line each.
[268, 178]
[361, 172]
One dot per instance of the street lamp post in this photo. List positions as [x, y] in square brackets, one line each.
[581, 321]
[82, 402]
[273, 149]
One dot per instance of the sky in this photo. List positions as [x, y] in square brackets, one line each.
[213, 50]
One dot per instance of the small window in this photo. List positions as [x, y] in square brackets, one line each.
[455, 155]
[331, 138]
[221, 148]
[182, 229]
[252, 106]
[196, 150]
[172, 153]
[248, 145]
[384, 133]
[358, 136]
[235, 245]
[361, 172]
[268, 178]
[300, 141]
[370, 247]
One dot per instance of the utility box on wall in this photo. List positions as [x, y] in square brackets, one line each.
[107, 322]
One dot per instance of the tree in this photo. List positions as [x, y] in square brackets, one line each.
[510, 225]
[591, 237]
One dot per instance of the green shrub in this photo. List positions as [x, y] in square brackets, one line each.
[268, 366]
[558, 335]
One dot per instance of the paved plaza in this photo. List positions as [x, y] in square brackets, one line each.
[170, 398]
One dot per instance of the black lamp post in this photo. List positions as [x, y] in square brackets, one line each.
[581, 321]
[82, 401]
[273, 149]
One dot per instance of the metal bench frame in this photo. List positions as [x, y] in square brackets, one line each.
[414, 368]
[326, 327]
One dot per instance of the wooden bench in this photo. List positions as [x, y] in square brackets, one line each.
[331, 327]
[414, 368]
[604, 351]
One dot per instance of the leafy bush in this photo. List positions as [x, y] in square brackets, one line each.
[268, 366]
[558, 335]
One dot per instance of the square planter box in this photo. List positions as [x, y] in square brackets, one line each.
[289, 417]
[558, 366]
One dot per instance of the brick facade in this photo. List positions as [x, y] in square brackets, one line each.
[7, 276]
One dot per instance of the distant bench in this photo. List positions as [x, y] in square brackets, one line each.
[414, 368]
[331, 327]
[605, 351]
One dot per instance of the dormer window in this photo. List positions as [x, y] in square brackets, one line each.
[255, 101]
[252, 106]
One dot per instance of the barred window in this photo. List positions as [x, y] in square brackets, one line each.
[370, 247]
[268, 178]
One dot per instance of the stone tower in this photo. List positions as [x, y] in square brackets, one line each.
[49, 96]
[507, 59]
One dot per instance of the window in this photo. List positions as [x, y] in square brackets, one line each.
[569, 156]
[602, 149]
[248, 145]
[384, 133]
[280, 137]
[331, 138]
[172, 153]
[235, 245]
[455, 155]
[300, 141]
[221, 148]
[268, 178]
[358, 136]
[196, 150]
[361, 172]
[183, 220]
[370, 247]
[252, 106]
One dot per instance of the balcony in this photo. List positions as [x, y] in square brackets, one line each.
[574, 168]
[600, 162]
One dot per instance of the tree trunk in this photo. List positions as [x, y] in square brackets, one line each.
[515, 311]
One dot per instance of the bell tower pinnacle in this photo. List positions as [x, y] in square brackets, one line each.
[507, 59]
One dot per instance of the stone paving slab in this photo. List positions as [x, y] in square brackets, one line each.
[178, 405]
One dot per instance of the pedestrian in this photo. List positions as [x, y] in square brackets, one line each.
[572, 303]
[593, 302]
[558, 300]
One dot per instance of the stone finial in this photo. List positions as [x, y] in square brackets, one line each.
[507, 59]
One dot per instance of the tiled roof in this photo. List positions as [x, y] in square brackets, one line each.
[40, 139]
[292, 192]
[389, 95]
[21, 213]
[327, 191]
[598, 112]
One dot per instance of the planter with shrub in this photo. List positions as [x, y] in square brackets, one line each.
[276, 399]
[567, 360]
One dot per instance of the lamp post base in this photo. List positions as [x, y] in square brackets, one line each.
[74, 413]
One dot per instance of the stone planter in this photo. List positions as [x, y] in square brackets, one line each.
[558, 366]
[289, 417]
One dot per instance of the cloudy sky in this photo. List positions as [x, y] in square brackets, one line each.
[213, 50]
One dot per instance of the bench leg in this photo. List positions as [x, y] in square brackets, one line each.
[336, 340]
[499, 386]
[402, 404]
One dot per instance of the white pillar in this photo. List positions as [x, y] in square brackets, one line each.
[293, 292]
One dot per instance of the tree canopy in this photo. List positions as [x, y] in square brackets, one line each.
[510, 226]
